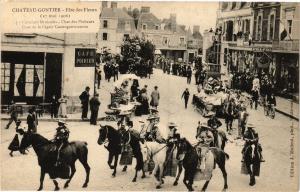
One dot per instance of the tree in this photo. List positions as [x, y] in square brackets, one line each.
[136, 51]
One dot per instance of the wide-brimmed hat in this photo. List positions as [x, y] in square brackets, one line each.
[123, 113]
[150, 117]
[250, 125]
[61, 121]
[172, 124]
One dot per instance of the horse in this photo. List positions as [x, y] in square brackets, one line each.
[114, 145]
[188, 154]
[252, 157]
[133, 140]
[44, 149]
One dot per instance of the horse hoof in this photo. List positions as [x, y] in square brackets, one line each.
[143, 176]
[175, 183]
[56, 189]
[66, 185]
[39, 189]
[113, 175]
[124, 170]
[134, 180]
[150, 172]
[158, 187]
[111, 167]
[162, 181]
[84, 185]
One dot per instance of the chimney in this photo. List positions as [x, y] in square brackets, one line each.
[196, 29]
[114, 5]
[173, 21]
[145, 9]
[104, 4]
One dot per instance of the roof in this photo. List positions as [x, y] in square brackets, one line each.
[149, 17]
[114, 13]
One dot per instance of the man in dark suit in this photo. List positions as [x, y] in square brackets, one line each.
[84, 98]
[31, 121]
[94, 106]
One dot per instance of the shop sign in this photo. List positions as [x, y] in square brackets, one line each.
[85, 57]
[262, 49]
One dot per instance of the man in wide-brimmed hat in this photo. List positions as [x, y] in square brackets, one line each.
[251, 137]
[152, 131]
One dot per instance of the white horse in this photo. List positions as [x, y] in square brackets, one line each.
[158, 153]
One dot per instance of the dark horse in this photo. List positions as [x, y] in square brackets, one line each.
[188, 154]
[252, 162]
[47, 154]
[114, 145]
[133, 140]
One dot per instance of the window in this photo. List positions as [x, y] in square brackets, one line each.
[289, 25]
[5, 76]
[144, 27]
[181, 40]
[127, 26]
[258, 27]
[156, 27]
[126, 37]
[104, 36]
[105, 24]
[165, 40]
[271, 27]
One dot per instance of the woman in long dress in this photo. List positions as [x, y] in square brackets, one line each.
[62, 110]
[15, 143]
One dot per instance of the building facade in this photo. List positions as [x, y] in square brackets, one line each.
[34, 67]
[261, 37]
[115, 25]
[170, 38]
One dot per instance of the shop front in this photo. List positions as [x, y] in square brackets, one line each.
[35, 67]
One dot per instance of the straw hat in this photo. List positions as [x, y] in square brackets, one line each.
[150, 117]
[61, 121]
[172, 124]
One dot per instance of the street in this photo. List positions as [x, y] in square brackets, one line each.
[22, 172]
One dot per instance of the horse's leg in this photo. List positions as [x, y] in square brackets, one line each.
[83, 161]
[179, 173]
[222, 167]
[42, 176]
[185, 178]
[144, 175]
[160, 175]
[56, 185]
[124, 168]
[205, 185]
[73, 170]
[135, 176]
[115, 165]
[110, 158]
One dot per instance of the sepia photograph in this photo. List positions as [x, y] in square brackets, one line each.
[149, 96]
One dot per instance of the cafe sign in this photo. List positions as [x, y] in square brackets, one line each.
[85, 57]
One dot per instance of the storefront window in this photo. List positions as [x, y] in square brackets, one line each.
[5, 76]
[29, 80]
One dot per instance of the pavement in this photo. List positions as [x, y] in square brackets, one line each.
[278, 137]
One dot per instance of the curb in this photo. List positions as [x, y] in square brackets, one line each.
[288, 115]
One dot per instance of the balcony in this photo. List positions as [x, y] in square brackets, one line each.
[286, 46]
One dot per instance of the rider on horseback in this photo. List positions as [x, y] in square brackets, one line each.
[61, 139]
[214, 124]
[152, 131]
[204, 135]
[251, 137]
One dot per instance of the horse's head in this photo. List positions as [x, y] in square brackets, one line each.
[103, 134]
[182, 148]
[26, 140]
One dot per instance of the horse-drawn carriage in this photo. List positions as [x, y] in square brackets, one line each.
[207, 104]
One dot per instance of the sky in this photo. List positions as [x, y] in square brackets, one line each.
[203, 14]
